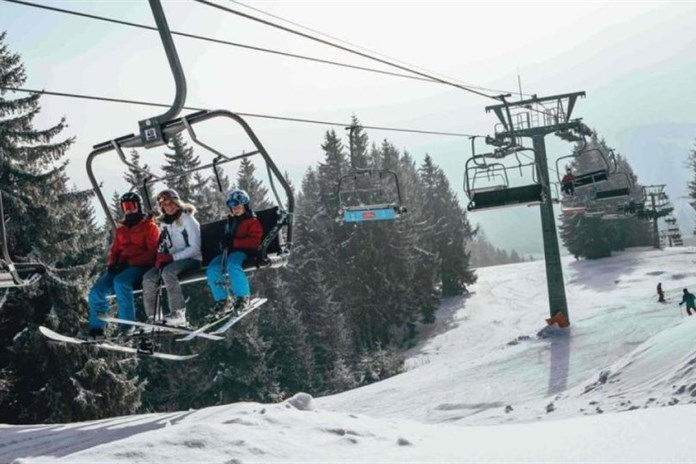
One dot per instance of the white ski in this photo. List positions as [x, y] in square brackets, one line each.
[253, 304]
[55, 336]
[233, 320]
[163, 327]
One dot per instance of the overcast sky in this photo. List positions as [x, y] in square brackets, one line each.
[634, 60]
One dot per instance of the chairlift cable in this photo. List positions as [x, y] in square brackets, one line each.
[346, 49]
[232, 44]
[251, 115]
[258, 10]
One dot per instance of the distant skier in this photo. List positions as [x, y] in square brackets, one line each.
[568, 183]
[690, 301]
[179, 251]
[243, 236]
[660, 293]
[131, 255]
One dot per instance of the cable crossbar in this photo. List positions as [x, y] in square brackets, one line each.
[250, 115]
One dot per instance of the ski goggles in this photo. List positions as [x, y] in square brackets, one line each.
[233, 203]
[129, 205]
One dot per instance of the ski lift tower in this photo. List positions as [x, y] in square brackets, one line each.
[536, 118]
[659, 203]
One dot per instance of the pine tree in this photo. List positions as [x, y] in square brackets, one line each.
[136, 174]
[181, 159]
[248, 182]
[290, 355]
[54, 225]
[451, 229]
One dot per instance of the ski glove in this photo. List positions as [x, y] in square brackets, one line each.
[117, 268]
[163, 259]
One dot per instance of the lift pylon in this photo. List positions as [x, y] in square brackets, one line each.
[535, 118]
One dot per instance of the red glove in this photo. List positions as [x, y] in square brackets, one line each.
[163, 259]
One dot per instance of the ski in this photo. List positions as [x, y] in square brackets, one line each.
[55, 336]
[233, 320]
[163, 327]
[253, 304]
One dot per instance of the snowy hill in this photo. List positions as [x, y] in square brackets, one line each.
[481, 387]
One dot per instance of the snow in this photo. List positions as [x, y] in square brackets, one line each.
[618, 386]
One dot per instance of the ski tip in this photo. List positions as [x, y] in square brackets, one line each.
[45, 330]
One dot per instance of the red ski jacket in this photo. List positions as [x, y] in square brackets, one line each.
[248, 235]
[135, 245]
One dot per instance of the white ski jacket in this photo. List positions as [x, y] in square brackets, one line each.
[182, 237]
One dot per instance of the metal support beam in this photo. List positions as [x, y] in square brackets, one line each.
[656, 232]
[552, 254]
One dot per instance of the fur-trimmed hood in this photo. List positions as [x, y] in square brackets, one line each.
[187, 208]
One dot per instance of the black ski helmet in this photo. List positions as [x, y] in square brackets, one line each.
[132, 196]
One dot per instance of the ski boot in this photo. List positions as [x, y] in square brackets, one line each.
[240, 304]
[96, 334]
[146, 346]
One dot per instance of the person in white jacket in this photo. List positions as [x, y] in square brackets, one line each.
[179, 250]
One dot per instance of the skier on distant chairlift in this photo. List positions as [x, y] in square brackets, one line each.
[131, 255]
[243, 236]
[568, 183]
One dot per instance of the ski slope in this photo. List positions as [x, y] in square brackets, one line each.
[480, 387]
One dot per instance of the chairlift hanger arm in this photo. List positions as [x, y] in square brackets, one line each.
[150, 129]
[177, 125]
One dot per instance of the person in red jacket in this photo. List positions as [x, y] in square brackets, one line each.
[243, 236]
[132, 253]
[568, 183]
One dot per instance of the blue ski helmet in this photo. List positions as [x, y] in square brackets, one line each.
[237, 197]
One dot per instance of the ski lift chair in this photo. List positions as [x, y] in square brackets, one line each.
[367, 199]
[584, 179]
[14, 275]
[620, 192]
[496, 191]
[371, 203]
[277, 221]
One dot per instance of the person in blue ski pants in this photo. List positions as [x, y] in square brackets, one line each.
[243, 236]
[132, 253]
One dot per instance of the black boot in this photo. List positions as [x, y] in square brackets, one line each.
[96, 333]
[240, 304]
[146, 346]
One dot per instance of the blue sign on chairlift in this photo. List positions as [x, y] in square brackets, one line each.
[381, 213]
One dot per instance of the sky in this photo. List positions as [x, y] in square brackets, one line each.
[618, 386]
[635, 60]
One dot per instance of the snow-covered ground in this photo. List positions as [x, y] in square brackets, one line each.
[481, 387]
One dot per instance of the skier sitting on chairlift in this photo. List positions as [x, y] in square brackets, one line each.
[179, 250]
[131, 255]
[568, 183]
[243, 236]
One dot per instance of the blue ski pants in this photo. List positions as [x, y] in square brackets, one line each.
[238, 279]
[120, 284]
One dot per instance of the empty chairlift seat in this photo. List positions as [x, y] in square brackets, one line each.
[589, 178]
[505, 196]
[613, 193]
[20, 274]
